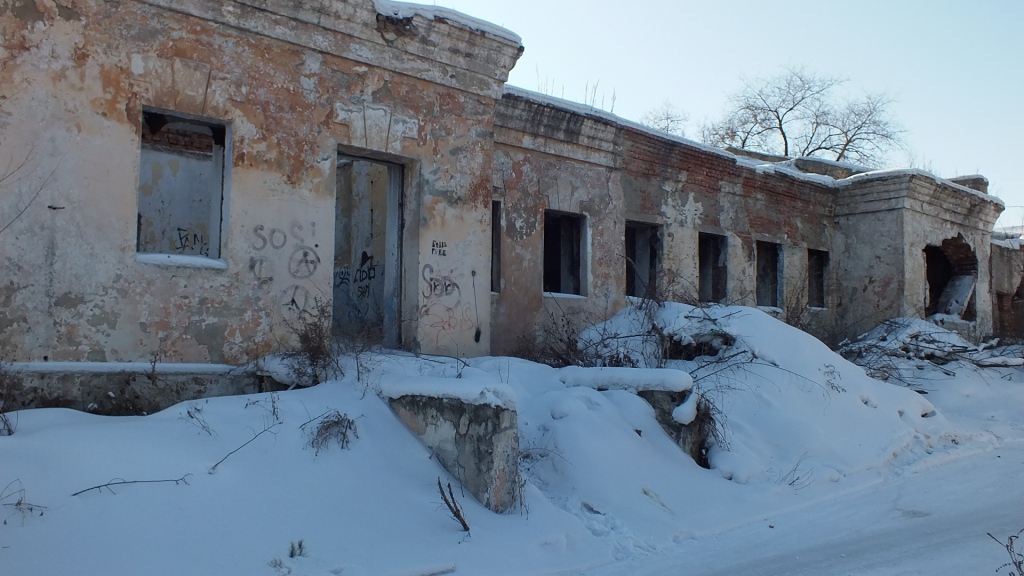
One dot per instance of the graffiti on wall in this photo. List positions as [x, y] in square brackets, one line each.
[444, 311]
[192, 241]
[438, 284]
[301, 262]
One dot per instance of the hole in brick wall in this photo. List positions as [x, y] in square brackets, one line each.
[951, 270]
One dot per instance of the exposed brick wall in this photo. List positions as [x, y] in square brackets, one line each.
[175, 139]
[777, 205]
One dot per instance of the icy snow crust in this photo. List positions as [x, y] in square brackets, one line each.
[804, 429]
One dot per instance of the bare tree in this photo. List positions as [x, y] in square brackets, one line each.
[667, 117]
[797, 114]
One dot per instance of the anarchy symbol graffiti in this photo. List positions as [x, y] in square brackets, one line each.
[303, 262]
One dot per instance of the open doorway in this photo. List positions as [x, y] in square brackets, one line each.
[367, 255]
[952, 272]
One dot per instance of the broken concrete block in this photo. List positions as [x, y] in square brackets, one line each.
[471, 428]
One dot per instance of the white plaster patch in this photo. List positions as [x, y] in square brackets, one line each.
[138, 64]
[690, 216]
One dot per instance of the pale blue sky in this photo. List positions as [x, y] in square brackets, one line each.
[956, 69]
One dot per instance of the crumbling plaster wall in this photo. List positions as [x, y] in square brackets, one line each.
[885, 223]
[869, 254]
[538, 167]
[552, 157]
[293, 82]
[705, 191]
[937, 211]
[1007, 273]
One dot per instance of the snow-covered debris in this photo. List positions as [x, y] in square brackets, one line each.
[919, 339]
[686, 412]
[910, 338]
[628, 379]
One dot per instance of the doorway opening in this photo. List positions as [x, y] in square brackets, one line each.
[367, 250]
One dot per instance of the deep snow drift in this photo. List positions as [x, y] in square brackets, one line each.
[604, 484]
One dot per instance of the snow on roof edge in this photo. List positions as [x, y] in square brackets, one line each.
[891, 172]
[788, 167]
[579, 108]
[408, 10]
[971, 177]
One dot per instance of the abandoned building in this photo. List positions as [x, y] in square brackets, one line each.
[185, 180]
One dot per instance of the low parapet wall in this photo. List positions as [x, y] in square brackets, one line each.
[121, 388]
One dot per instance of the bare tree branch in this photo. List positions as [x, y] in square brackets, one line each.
[667, 118]
[121, 481]
[795, 114]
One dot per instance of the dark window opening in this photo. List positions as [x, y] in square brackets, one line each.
[951, 270]
[181, 185]
[496, 246]
[563, 259]
[712, 272]
[643, 242]
[769, 274]
[817, 272]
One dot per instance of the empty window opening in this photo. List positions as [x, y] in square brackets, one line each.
[496, 246]
[769, 274]
[952, 273]
[563, 252]
[712, 272]
[817, 272]
[181, 185]
[367, 255]
[643, 246]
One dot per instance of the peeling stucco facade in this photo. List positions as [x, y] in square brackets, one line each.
[871, 227]
[311, 117]
[294, 84]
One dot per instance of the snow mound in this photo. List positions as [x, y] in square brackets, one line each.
[792, 409]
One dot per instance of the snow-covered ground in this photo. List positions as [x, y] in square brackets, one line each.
[822, 469]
